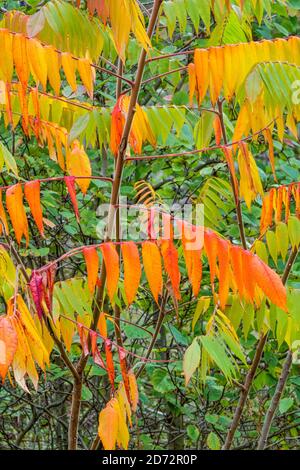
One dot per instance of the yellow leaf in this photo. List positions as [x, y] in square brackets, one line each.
[53, 66]
[86, 75]
[69, 66]
[78, 164]
[38, 62]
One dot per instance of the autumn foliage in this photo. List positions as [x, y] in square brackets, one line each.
[86, 124]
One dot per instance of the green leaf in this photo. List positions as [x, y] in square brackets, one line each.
[161, 381]
[8, 159]
[191, 360]
[294, 231]
[204, 130]
[213, 441]
[218, 354]
[282, 238]
[272, 245]
[202, 306]
[193, 432]
[285, 404]
[79, 127]
[261, 250]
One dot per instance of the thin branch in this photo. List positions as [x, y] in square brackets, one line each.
[195, 151]
[236, 197]
[283, 376]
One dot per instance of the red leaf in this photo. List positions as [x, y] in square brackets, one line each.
[36, 288]
[70, 183]
[117, 125]
[170, 257]
[95, 351]
[83, 335]
[123, 365]
[110, 363]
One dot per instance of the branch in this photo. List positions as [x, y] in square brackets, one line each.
[195, 151]
[236, 197]
[283, 376]
[75, 407]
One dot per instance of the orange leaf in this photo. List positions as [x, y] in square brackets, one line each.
[211, 249]
[170, 257]
[236, 263]
[111, 260]
[248, 276]
[20, 58]
[8, 345]
[223, 255]
[192, 256]
[102, 325]
[217, 129]
[14, 204]
[202, 72]
[116, 130]
[134, 393]
[32, 194]
[192, 81]
[132, 269]
[269, 282]
[92, 263]
[108, 426]
[152, 266]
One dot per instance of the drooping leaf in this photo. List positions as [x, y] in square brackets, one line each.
[92, 263]
[111, 260]
[8, 345]
[14, 204]
[108, 426]
[70, 183]
[78, 164]
[170, 257]
[32, 195]
[270, 283]
[36, 287]
[191, 360]
[153, 268]
[132, 269]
